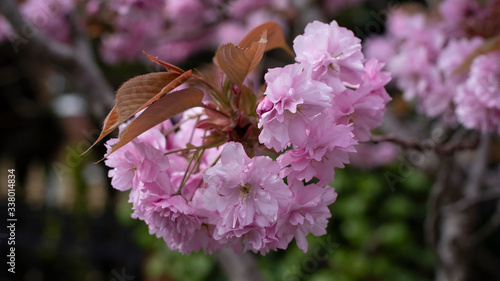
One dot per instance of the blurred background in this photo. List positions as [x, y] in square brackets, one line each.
[73, 226]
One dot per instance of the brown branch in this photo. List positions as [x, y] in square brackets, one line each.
[429, 145]
[472, 194]
[466, 203]
[454, 249]
[77, 60]
[436, 195]
[478, 168]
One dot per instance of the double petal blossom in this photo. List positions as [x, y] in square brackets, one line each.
[313, 114]
[292, 98]
[248, 194]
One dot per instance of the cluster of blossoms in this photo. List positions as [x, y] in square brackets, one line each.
[312, 115]
[50, 16]
[322, 105]
[175, 29]
[427, 55]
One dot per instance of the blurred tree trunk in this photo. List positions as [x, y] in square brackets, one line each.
[76, 60]
[239, 267]
[452, 214]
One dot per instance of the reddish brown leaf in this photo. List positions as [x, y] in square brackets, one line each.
[168, 66]
[163, 109]
[490, 45]
[137, 94]
[275, 37]
[145, 90]
[237, 62]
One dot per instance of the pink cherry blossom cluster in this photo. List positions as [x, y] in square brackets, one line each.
[238, 202]
[324, 104]
[49, 16]
[172, 29]
[176, 29]
[312, 116]
[425, 54]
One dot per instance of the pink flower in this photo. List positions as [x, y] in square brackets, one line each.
[332, 51]
[189, 12]
[484, 79]
[141, 160]
[474, 114]
[443, 81]
[402, 25]
[455, 52]
[248, 194]
[379, 47]
[50, 17]
[189, 135]
[411, 67]
[377, 78]
[326, 146]
[363, 107]
[308, 213]
[296, 98]
[370, 156]
[456, 12]
[173, 219]
[477, 101]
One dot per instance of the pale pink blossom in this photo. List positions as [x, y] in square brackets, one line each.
[325, 146]
[379, 47]
[189, 135]
[477, 101]
[376, 78]
[455, 52]
[474, 114]
[248, 194]
[364, 108]
[175, 220]
[371, 156]
[484, 79]
[141, 160]
[456, 12]
[296, 98]
[307, 213]
[332, 51]
[47, 16]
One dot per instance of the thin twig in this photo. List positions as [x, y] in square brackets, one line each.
[77, 59]
[445, 148]
[436, 195]
[466, 203]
